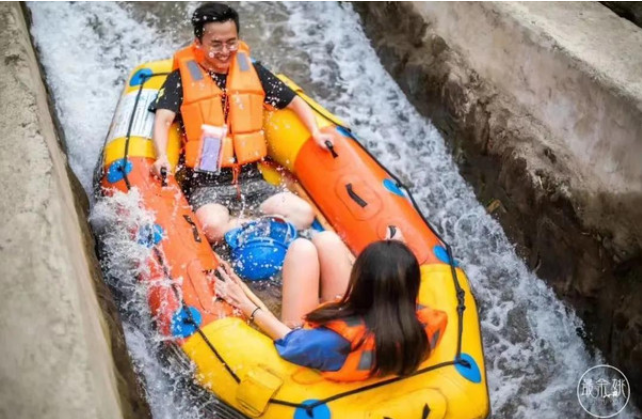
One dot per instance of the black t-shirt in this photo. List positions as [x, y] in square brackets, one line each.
[170, 96]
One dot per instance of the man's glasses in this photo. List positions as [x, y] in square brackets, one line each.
[220, 46]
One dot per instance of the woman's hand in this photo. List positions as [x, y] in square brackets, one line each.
[230, 289]
[229, 271]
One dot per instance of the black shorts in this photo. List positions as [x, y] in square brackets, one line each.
[220, 189]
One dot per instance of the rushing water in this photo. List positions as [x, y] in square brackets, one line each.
[533, 353]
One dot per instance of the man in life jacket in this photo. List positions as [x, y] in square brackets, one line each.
[220, 94]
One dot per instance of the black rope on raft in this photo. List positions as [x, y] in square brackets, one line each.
[190, 318]
[123, 167]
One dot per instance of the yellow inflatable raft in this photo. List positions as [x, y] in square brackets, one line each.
[353, 195]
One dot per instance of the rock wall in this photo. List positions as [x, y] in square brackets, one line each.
[62, 353]
[542, 103]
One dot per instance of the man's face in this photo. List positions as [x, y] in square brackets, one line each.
[219, 43]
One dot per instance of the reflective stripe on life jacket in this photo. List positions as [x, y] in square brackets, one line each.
[359, 362]
[203, 105]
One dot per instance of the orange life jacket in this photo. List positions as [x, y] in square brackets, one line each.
[359, 362]
[203, 104]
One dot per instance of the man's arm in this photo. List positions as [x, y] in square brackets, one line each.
[279, 95]
[306, 115]
[162, 123]
[166, 106]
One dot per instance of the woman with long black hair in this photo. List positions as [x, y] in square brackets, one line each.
[351, 322]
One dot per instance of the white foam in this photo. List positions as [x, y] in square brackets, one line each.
[118, 221]
[88, 50]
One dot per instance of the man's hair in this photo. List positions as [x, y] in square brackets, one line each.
[213, 12]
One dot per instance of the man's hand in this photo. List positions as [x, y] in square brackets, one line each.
[160, 163]
[321, 137]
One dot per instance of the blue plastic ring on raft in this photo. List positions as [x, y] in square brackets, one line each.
[118, 169]
[392, 187]
[442, 254]
[471, 371]
[318, 412]
[150, 236]
[182, 327]
[140, 76]
[345, 132]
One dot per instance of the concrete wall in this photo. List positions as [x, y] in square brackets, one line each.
[584, 84]
[58, 343]
[576, 68]
[542, 103]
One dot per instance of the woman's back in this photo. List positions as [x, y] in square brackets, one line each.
[378, 316]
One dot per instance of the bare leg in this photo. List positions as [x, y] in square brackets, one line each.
[335, 261]
[291, 207]
[300, 282]
[215, 220]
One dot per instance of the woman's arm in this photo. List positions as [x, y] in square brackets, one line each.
[231, 290]
[306, 115]
[267, 322]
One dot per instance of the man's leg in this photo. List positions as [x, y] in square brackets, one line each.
[215, 220]
[291, 207]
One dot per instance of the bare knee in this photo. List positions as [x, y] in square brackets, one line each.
[214, 220]
[326, 240]
[293, 208]
[304, 215]
[302, 251]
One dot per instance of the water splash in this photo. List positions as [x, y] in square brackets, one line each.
[87, 61]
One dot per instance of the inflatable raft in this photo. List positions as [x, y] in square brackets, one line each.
[353, 195]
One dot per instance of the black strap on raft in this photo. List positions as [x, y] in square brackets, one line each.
[143, 80]
[190, 318]
[123, 167]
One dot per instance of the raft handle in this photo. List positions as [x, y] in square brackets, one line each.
[163, 173]
[393, 230]
[331, 148]
[356, 198]
[197, 237]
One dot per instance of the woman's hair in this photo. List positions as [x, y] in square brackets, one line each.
[213, 12]
[383, 290]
